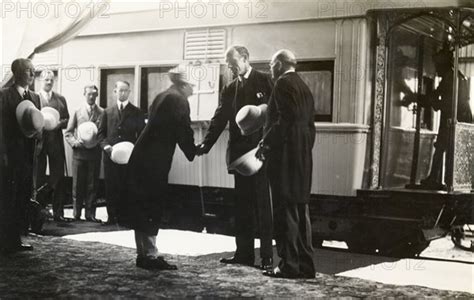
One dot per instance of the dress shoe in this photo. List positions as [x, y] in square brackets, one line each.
[158, 263]
[60, 219]
[267, 264]
[25, 247]
[277, 273]
[92, 219]
[234, 260]
[109, 223]
[13, 249]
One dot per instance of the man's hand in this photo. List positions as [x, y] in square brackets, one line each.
[78, 145]
[108, 150]
[38, 135]
[202, 149]
[262, 151]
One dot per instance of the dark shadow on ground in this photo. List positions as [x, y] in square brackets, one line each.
[68, 228]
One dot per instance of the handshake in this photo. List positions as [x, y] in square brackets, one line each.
[262, 150]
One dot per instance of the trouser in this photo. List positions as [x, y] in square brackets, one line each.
[13, 209]
[293, 236]
[440, 145]
[56, 179]
[115, 186]
[146, 245]
[253, 214]
[85, 181]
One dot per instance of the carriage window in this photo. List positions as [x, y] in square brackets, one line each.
[318, 75]
[108, 77]
[154, 80]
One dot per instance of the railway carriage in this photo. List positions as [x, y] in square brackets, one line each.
[359, 58]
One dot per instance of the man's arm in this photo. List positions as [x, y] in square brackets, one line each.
[282, 103]
[219, 121]
[185, 133]
[140, 122]
[69, 134]
[64, 117]
[102, 134]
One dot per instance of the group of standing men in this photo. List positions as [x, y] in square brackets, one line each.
[135, 192]
[286, 144]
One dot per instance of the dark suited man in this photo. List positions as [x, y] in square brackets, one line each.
[169, 125]
[16, 164]
[53, 147]
[120, 122]
[442, 99]
[252, 201]
[287, 144]
[86, 159]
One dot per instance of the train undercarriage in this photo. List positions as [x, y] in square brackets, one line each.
[398, 223]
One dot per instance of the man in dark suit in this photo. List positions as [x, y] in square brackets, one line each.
[121, 122]
[16, 164]
[252, 201]
[86, 158]
[441, 99]
[169, 125]
[287, 145]
[53, 147]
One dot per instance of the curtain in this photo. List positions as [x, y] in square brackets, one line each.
[88, 12]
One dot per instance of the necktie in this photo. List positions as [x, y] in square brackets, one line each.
[121, 107]
[90, 111]
[26, 95]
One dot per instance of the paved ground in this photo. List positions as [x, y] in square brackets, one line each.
[60, 267]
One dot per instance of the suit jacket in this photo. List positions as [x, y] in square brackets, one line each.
[53, 141]
[254, 91]
[290, 135]
[116, 127]
[79, 117]
[17, 150]
[169, 125]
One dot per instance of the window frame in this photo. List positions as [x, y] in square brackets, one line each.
[308, 66]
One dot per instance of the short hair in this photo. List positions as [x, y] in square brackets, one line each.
[286, 57]
[45, 73]
[122, 81]
[19, 65]
[91, 86]
[241, 50]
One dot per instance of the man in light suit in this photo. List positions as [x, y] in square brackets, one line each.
[53, 146]
[16, 160]
[120, 122]
[86, 159]
[287, 145]
[252, 200]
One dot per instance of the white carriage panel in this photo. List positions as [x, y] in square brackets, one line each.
[125, 49]
[215, 170]
[338, 159]
[309, 40]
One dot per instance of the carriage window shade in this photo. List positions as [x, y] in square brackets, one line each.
[319, 76]
[204, 44]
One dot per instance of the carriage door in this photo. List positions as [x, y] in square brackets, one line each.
[409, 127]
